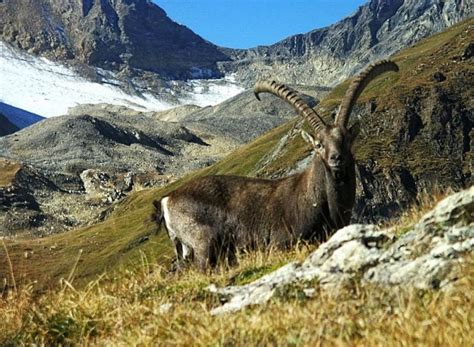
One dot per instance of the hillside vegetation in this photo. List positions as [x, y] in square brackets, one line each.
[150, 306]
[129, 232]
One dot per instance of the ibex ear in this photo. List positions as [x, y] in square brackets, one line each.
[308, 138]
[354, 130]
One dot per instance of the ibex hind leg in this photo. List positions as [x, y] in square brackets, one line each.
[209, 252]
[184, 255]
[223, 251]
[202, 258]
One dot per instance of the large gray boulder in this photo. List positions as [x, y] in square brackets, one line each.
[423, 257]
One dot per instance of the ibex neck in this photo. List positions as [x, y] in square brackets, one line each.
[339, 195]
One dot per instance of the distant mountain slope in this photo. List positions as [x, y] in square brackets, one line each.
[18, 117]
[329, 55]
[112, 142]
[112, 34]
[6, 127]
[244, 118]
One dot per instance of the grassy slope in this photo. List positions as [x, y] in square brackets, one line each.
[417, 67]
[151, 307]
[116, 241]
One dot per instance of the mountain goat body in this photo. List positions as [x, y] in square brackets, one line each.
[209, 218]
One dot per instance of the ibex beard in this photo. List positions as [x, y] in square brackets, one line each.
[210, 218]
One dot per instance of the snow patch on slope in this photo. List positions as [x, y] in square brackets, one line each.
[46, 88]
[212, 92]
[43, 87]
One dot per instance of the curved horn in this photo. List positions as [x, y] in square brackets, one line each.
[358, 85]
[293, 99]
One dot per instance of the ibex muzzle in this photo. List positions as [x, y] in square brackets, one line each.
[210, 218]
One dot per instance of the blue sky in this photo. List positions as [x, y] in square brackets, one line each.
[249, 23]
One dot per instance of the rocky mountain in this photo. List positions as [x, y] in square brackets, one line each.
[53, 87]
[132, 36]
[244, 118]
[329, 55]
[137, 38]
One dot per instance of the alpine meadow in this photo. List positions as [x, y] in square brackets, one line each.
[157, 188]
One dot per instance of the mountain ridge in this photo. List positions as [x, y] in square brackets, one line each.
[328, 55]
[136, 38]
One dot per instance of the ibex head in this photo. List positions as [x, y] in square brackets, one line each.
[332, 142]
[333, 145]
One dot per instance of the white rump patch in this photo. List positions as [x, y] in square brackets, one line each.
[166, 215]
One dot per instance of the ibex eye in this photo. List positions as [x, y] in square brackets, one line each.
[318, 145]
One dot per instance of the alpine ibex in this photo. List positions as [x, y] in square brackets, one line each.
[209, 218]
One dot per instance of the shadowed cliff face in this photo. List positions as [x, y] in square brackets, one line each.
[6, 127]
[116, 35]
[421, 146]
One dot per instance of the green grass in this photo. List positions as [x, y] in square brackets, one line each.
[118, 242]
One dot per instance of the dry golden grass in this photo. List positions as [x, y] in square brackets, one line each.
[8, 171]
[425, 202]
[130, 309]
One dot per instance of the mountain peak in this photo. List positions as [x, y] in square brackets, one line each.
[111, 34]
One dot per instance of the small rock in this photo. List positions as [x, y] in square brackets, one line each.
[439, 77]
[469, 51]
[164, 308]
[309, 292]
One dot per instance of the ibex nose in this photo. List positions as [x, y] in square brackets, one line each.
[335, 159]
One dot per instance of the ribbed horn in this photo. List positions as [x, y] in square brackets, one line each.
[291, 97]
[358, 85]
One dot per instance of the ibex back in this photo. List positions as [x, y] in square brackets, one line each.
[209, 218]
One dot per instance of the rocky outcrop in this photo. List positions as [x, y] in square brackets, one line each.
[422, 257]
[329, 55]
[109, 188]
[39, 202]
[131, 36]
